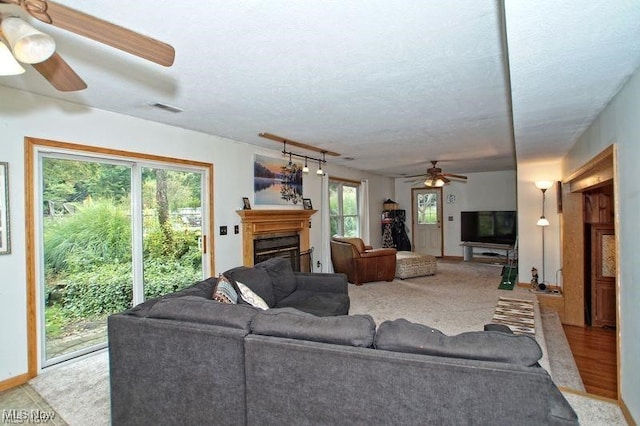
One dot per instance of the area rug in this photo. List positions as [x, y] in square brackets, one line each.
[517, 314]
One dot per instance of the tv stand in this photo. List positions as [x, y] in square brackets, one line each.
[468, 249]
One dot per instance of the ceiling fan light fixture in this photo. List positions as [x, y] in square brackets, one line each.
[28, 44]
[8, 64]
[438, 183]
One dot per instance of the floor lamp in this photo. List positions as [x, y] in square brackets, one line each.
[543, 185]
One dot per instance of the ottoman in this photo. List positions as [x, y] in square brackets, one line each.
[410, 264]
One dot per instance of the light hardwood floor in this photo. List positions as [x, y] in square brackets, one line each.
[594, 350]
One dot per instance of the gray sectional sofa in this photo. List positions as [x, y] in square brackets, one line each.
[187, 359]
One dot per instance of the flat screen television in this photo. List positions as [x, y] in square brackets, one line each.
[497, 227]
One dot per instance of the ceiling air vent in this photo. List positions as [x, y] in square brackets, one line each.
[166, 107]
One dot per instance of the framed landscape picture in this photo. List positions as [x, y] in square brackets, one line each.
[5, 235]
[277, 181]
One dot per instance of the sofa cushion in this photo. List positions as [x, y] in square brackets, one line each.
[322, 304]
[202, 289]
[282, 277]
[258, 280]
[206, 286]
[204, 311]
[404, 336]
[225, 291]
[348, 330]
[250, 297]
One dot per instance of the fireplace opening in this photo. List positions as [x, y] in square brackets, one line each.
[287, 247]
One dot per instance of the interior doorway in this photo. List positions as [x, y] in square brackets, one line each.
[589, 250]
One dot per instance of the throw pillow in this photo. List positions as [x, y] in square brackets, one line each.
[282, 277]
[256, 279]
[224, 291]
[250, 297]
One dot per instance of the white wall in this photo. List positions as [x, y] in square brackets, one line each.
[619, 124]
[24, 114]
[530, 234]
[481, 191]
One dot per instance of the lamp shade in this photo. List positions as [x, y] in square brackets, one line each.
[8, 64]
[28, 44]
[542, 221]
[543, 184]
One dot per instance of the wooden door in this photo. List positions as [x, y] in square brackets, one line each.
[427, 222]
[603, 275]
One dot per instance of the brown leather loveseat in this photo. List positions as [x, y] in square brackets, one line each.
[360, 262]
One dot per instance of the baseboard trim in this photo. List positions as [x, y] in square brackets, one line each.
[589, 395]
[14, 382]
[619, 402]
[627, 414]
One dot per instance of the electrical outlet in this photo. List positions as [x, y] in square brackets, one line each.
[236, 229]
[450, 218]
[223, 230]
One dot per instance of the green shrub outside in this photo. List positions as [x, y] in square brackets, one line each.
[88, 256]
[108, 288]
[97, 233]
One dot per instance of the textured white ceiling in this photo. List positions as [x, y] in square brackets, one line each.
[392, 84]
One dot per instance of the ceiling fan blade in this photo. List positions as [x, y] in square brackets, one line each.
[60, 74]
[105, 32]
[446, 181]
[455, 176]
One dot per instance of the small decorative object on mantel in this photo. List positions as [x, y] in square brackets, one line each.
[246, 205]
[389, 204]
[306, 203]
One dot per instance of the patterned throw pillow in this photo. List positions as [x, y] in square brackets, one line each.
[224, 291]
[250, 297]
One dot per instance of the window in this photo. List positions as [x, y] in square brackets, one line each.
[343, 208]
[427, 206]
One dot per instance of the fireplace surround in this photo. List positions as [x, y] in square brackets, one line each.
[273, 224]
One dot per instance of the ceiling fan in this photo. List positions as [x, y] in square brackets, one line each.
[22, 37]
[435, 177]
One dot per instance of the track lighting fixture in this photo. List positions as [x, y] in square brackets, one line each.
[305, 169]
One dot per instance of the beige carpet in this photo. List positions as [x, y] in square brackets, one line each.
[462, 296]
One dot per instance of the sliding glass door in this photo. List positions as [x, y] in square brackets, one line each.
[113, 233]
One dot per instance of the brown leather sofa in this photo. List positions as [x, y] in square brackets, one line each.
[361, 262]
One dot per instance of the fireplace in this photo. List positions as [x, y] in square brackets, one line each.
[287, 247]
[271, 231]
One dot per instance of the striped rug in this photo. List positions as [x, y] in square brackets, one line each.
[517, 314]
